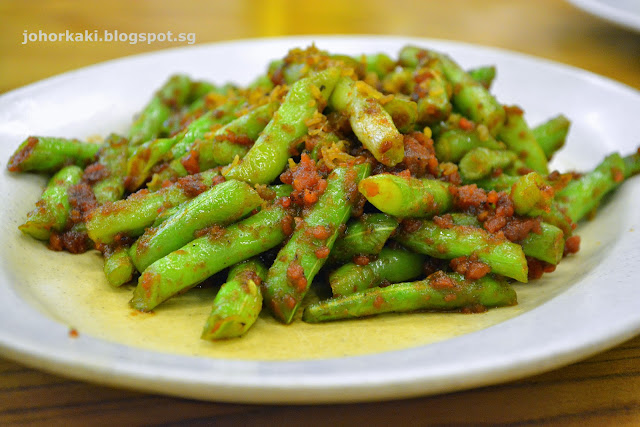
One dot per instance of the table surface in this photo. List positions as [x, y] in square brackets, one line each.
[604, 389]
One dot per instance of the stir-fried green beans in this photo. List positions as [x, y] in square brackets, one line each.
[395, 184]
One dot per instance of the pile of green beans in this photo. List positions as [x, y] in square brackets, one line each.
[393, 185]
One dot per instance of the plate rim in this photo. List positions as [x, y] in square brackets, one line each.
[321, 392]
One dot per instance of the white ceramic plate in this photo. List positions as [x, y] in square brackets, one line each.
[589, 304]
[622, 12]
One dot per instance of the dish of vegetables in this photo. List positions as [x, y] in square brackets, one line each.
[333, 185]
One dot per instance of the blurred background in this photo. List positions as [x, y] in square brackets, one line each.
[552, 29]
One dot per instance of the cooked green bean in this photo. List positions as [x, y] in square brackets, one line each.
[370, 122]
[43, 154]
[391, 265]
[203, 257]
[469, 97]
[406, 196]
[503, 256]
[583, 195]
[546, 245]
[403, 112]
[118, 267]
[483, 75]
[112, 158]
[552, 134]
[520, 139]
[365, 235]
[149, 154]
[220, 205]
[480, 162]
[532, 195]
[452, 144]
[52, 210]
[268, 157]
[131, 216]
[222, 146]
[439, 291]
[237, 303]
[149, 124]
[433, 93]
[379, 63]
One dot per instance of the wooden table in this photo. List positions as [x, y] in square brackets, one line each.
[604, 389]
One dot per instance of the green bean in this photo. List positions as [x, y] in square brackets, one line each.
[365, 235]
[465, 219]
[411, 56]
[480, 162]
[203, 257]
[547, 245]
[268, 193]
[501, 182]
[262, 82]
[220, 205]
[469, 97]
[552, 134]
[196, 104]
[519, 139]
[303, 255]
[407, 196]
[222, 100]
[583, 195]
[540, 201]
[268, 157]
[532, 195]
[44, 154]
[52, 210]
[237, 303]
[222, 146]
[483, 75]
[199, 128]
[452, 144]
[166, 214]
[200, 89]
[632, 164]
[391, 265]
[433, 92]
[426, 85]
[112, 157]
[503, 256]
[299, 64]
[403, 112]
[144, 158]
[398, 81]
[149, 154]
[370, 122]
[118, 267]
[149, 124]
[131, 216]
[439, 291]
[379, 63]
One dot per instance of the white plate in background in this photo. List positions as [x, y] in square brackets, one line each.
[621, 12]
